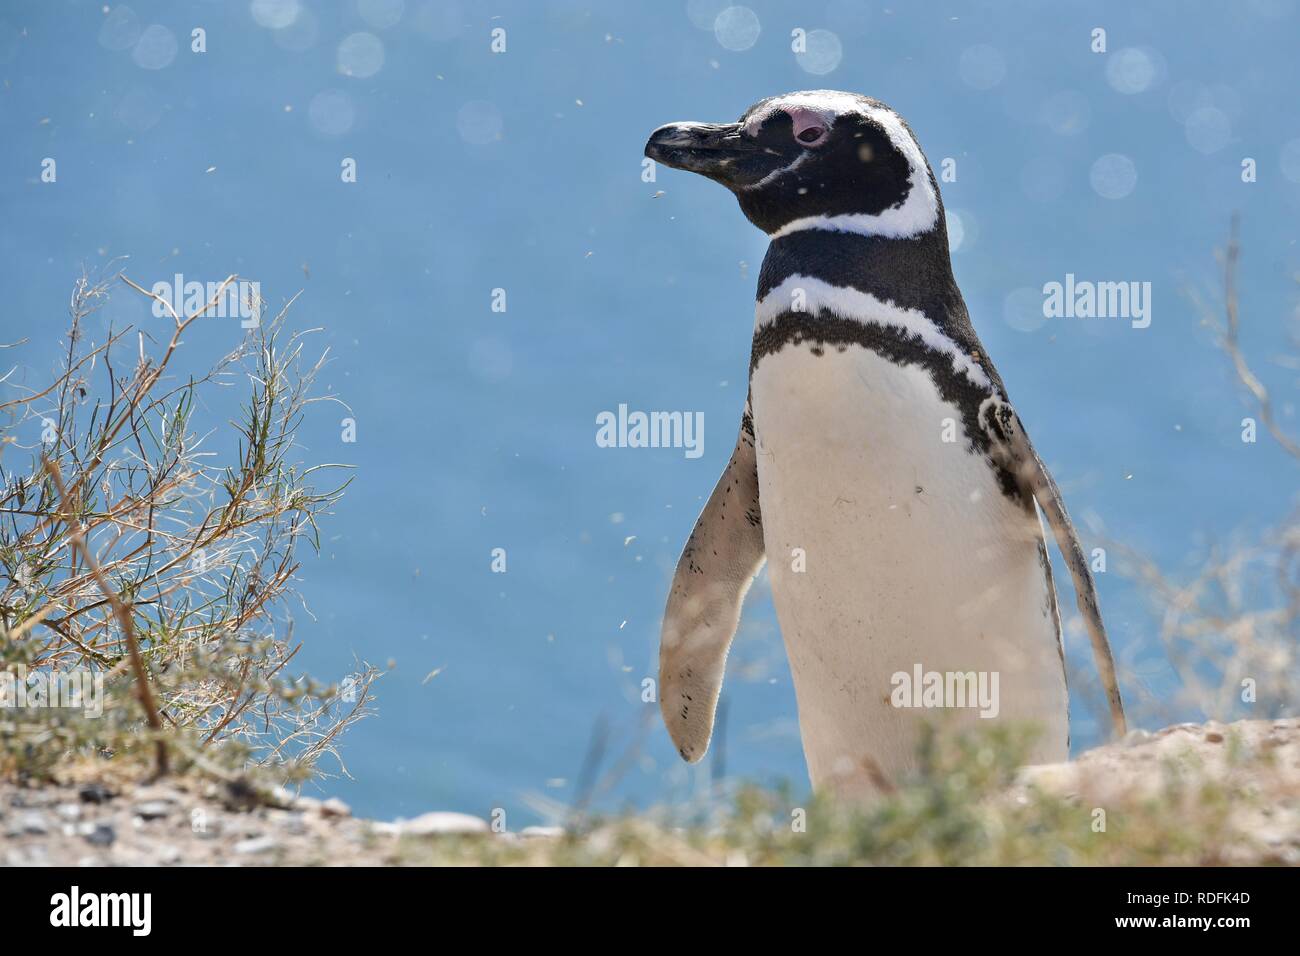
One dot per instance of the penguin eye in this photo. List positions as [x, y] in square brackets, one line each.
[811, 135]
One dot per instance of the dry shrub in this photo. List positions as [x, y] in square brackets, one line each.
[131, 553]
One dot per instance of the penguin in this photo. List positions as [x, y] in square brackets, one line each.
[880, 468]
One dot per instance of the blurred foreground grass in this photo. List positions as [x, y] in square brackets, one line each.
[1193, 795]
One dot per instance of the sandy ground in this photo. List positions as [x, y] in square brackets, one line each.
[1256, 757]
[188, 822]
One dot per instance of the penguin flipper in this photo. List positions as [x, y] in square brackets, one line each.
[717, 566]
[1014, 452]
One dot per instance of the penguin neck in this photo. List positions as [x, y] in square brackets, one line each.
[913, 273]
[858, 277]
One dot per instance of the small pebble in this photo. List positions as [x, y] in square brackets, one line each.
[334, 807]
[438, 823]
[95, 793]
[30, 822]
[168, 854]
[546, 832]
[100, 834]
[255, 845]
[153, 809]
[157, 792]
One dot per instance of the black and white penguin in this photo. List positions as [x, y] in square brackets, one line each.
[880, 468]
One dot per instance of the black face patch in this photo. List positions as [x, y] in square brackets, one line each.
[855, 168]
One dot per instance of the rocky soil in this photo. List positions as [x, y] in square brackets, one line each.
[188, 823]
[1256, 759]
[196, 822]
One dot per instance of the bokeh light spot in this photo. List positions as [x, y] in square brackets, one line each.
[1113, 176]
[737, 28]
[822, 52]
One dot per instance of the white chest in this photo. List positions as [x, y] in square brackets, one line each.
[889, 546]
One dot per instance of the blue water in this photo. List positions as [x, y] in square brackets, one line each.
[521, 171]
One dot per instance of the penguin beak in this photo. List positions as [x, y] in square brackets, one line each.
[715, 150]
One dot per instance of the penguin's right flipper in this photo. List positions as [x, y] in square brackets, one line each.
[717, 566]
[1013, 451]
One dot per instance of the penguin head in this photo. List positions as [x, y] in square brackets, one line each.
[819, 159]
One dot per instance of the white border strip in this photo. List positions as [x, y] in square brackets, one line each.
[850, 303]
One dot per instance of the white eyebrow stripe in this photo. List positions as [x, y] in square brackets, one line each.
[829, 103]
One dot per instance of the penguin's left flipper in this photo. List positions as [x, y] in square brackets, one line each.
[1013, 451]
[717, 566]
